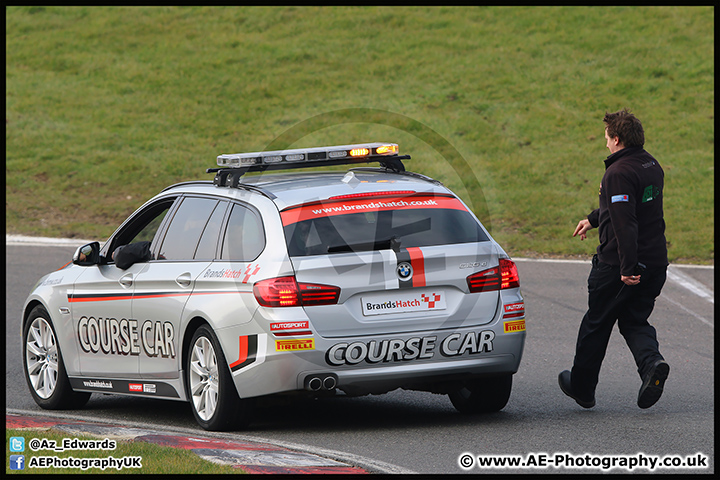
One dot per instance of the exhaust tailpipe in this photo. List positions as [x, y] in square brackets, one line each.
[315, 383]
[329, 383]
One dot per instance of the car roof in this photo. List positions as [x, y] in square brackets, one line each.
[289, 189]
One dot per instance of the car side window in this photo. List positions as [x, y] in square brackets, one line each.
[244, 236]
[148, 232]
[143, 226]
[186, 227]
[209, 239]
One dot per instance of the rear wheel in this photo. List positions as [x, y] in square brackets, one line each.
[483, 395]
[43, 365]
[214, 399]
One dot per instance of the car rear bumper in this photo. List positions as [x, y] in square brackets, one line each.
[358, 365]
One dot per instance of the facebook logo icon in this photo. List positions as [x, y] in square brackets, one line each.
[17, 462]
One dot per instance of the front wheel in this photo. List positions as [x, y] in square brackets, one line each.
[214, 399]
[43, 365]
[483, 395]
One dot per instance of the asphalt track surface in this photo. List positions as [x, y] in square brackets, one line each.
[404, 432]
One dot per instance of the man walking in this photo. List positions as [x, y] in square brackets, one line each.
[629, 268]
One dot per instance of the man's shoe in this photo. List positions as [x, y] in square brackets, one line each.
[565, 386]
[653, 383]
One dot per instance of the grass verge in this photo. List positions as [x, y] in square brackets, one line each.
[106, 106]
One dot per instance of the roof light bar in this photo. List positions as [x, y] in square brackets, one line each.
[233, 166]
[342, 154]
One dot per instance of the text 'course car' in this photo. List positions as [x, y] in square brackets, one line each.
[220, 292]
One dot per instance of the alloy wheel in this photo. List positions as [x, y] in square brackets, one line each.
[42, 358]
[204, 378]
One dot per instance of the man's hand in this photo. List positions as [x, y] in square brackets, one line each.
[630, 281]
[582, 227]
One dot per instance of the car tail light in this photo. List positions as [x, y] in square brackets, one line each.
[287, 292]
[508, 274]
[316, 294]
[277, 292]
[501, 277]
[485, 281]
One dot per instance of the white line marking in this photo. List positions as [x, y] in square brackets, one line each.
[690, 284]
[588, 262]
[45, 241]
[549, 260]
[673, 274]
[687, 310]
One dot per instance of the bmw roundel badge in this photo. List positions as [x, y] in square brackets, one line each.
[404, 271]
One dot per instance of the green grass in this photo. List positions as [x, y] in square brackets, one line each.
[155, 459]
[106, 106]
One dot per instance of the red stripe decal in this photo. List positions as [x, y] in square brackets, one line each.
[139, 296]
[418, 263]
[76, 299]
[243, 351]
[292, 334]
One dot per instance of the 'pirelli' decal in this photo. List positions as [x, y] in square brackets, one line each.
[514, 326]
[295, 345]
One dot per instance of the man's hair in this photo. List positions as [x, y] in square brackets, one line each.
[626, 127]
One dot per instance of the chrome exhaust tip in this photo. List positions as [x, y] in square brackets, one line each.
[329, 383]
[313, 384]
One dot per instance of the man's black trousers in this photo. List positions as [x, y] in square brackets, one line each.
[610, 300]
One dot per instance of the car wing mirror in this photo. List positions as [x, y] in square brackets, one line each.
[87, 255]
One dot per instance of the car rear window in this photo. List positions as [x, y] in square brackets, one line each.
[375, 223]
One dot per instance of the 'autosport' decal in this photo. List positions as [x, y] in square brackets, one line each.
[514, 310]
[111, 336]
[395, 350]
[290, 328]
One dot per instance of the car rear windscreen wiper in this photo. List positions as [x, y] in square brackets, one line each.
[392, 243]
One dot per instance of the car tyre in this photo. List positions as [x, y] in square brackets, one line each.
[44, 367]
[484, 395]
[213, 397]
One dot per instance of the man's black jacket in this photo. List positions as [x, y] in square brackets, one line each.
[127, 255]
[630, 218]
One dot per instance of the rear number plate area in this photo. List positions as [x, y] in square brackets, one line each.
[403, 302]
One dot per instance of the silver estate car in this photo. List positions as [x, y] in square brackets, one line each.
[220, 292]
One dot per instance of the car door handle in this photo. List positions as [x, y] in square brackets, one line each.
[184, 280]
[126, 280]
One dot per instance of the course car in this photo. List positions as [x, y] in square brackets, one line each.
[267, 282]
